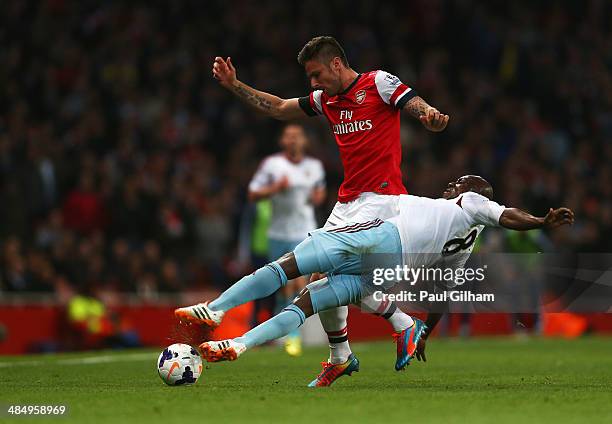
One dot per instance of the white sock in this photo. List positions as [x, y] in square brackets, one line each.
[335, 325]
[400, 320]
[339, 352]
[389, 311]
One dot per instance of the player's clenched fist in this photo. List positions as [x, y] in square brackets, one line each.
[224, 71]
[433, 120]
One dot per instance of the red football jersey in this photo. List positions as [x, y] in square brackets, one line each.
[365, 120]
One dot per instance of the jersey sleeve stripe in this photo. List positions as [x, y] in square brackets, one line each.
[399, 91]
[404, 97]
[315, 100]
[304, 103]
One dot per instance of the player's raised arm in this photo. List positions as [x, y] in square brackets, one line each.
[430, 117]
[268, 104]
[516, 219]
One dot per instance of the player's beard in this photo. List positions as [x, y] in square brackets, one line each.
[336, 86]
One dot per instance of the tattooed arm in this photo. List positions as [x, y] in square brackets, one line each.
[268, 104]
[429, 116]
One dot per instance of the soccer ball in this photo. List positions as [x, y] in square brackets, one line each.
[179, 364]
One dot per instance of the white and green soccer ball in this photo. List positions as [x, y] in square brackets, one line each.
[179, 364]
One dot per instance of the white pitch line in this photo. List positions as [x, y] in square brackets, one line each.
[99, 359]
[19, 363]
[107, 358]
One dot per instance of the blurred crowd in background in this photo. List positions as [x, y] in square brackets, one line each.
[124, 165]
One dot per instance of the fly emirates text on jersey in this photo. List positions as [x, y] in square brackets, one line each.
[351, 126]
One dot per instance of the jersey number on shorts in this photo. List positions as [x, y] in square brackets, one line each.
[459, 244]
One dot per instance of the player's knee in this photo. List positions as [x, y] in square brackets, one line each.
[316, 276]
[285, 256]
[289, 265]
[304, 303]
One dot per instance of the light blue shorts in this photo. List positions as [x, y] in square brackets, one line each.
[335, 290]
[351, 250]
[277, 248]
[347, 254]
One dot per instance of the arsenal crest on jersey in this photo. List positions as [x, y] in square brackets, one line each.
[360, 96]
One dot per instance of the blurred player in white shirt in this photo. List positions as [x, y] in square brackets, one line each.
[295, 184]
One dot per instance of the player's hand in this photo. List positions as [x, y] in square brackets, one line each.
[433, 120]
[420, 350]
[317, 196]
[224, 71]
[281, 185]
[557, 217]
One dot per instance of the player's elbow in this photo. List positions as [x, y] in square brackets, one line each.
[282, 111]
[508, 220]
[516, 222]
[318, 197]
[505, 223]
[277, 114]
[252, 196]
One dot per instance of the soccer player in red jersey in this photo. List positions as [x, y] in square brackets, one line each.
[363, 110]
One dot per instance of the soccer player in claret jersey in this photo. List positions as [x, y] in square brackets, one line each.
[295, 183]
[363, 110]
[427, 233]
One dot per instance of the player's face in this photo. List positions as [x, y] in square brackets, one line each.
[455, 188]
[324, 77]
[293, 139]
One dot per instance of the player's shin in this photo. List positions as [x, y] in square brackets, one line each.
[261, 283]
[329, 298]
[289, 319]
[334, 323]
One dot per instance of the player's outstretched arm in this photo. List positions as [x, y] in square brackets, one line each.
[516, 219]
[283, 109]
[430, 117]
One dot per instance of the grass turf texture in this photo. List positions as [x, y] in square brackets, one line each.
[478, 380]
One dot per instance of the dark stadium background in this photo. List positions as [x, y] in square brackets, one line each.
[123, 164]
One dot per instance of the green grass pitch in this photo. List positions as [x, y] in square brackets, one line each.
[477, 380]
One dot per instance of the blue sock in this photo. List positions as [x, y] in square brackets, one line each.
[280, 325]
[294, 333]
[261, 283]
[280, 301]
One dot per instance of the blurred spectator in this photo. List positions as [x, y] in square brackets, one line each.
[91, 325]
[84, 207]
